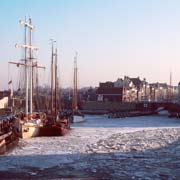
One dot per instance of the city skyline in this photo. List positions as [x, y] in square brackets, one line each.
[112, 38]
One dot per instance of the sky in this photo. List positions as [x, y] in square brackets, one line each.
[113, 38]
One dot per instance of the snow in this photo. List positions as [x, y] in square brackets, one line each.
[98, 139]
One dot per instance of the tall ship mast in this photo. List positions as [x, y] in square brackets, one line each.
[28, 64]
[54, 80]
[75, 91]
[28, 123]
[77, 115]
[57, 123]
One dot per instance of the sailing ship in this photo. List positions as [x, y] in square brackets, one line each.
[27, 122]
[77, 115]
[56, 124]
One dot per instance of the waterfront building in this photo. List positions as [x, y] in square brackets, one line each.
[109, 92]
[162, 92]
[136, 90]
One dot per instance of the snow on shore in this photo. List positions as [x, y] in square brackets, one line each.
[104, 140]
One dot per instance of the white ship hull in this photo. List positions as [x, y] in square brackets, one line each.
[163, 113]
[30, 130]
[27, 129]
[78, 118]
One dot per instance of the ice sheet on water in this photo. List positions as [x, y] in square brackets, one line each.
[45, 152]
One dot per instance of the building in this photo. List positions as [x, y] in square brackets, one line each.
[162, 92]
[109, 92]
[136, 90]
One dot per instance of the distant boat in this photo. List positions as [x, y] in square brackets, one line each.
[77, 115]
[162, 112]
[78, 118]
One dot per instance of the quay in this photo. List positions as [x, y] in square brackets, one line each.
[126, 109]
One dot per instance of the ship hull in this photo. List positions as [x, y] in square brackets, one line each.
[51, 130]
[59, 128]
[27, 129]
[30, 130]
[78, 118]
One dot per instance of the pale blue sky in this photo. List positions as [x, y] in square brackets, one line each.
[113, 38]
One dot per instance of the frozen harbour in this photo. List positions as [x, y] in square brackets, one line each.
[100, 148]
